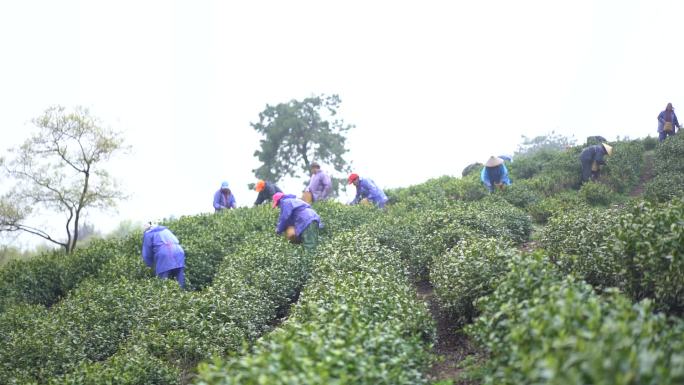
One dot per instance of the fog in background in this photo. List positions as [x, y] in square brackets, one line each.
[430, 85]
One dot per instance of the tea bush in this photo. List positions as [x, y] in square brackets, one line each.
[548, 172]
[88, 326]
[106, 315]
[439, 192]
[542, 210]
[420, 234]
[358, 303]
[668, 168]
[541, 329]
[520, 195]
[577, 241]
[665, 186]
[48, 277]
[623, 167]
[467, 272]
[649, 246]
[669, 156]
[596, 194]
[649, 143]
[206, 239]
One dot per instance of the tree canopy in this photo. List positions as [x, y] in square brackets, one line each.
[59, 169]
[551, 141]
[297, 133]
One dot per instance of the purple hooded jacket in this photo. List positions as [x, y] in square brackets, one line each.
[162, 250]
[295, 212]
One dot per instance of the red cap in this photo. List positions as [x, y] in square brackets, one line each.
[276, 198]
[352, 178]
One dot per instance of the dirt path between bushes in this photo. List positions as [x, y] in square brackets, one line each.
[646, 175]
[452, 346]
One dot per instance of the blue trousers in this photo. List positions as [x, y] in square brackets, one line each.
[177, 274]
[663, 135]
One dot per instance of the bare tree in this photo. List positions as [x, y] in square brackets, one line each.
[59, 168]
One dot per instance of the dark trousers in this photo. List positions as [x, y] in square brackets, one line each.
[177, 274]
[587, 174]
[310, 237]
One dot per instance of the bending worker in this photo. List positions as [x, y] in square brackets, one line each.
[495, 174]
[592, 158]
[266, 191]
[223, 198]
[295, 212]
[367, 189]
[162, 251]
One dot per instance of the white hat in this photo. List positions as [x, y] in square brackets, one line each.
[494, 161]
[609, 149]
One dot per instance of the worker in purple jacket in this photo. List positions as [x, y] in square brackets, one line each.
[667, 123]
[162, 251]
[223, 198]
[295, 212]
[320, 185]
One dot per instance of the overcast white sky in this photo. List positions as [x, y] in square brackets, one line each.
[430, 85]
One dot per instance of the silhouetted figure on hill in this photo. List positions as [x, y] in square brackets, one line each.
[667, 122]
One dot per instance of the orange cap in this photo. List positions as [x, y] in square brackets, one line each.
[260, 186]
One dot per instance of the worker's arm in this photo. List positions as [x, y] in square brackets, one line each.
[504, 175]
[217, 201]
[285, 212]
[260, 198]
[357, 197]
[484, 177]
[147, 251]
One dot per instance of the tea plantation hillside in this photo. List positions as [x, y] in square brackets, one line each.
[552, 282]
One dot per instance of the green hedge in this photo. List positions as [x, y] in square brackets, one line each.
[357, 322]
[668, 168]
[596, 194]
[252, 288]
[47, 278]
[206, 239]
[541, 329]
[578, 242]
[419, 234]
[649, 247]
[639, 249]
[467, 272]
[623, 168]
[542, 210]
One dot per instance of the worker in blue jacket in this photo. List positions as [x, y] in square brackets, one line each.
[299, 214]
[367, 189]
[162, 251]
[495, 174]
[223, 198]
[592, 158]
